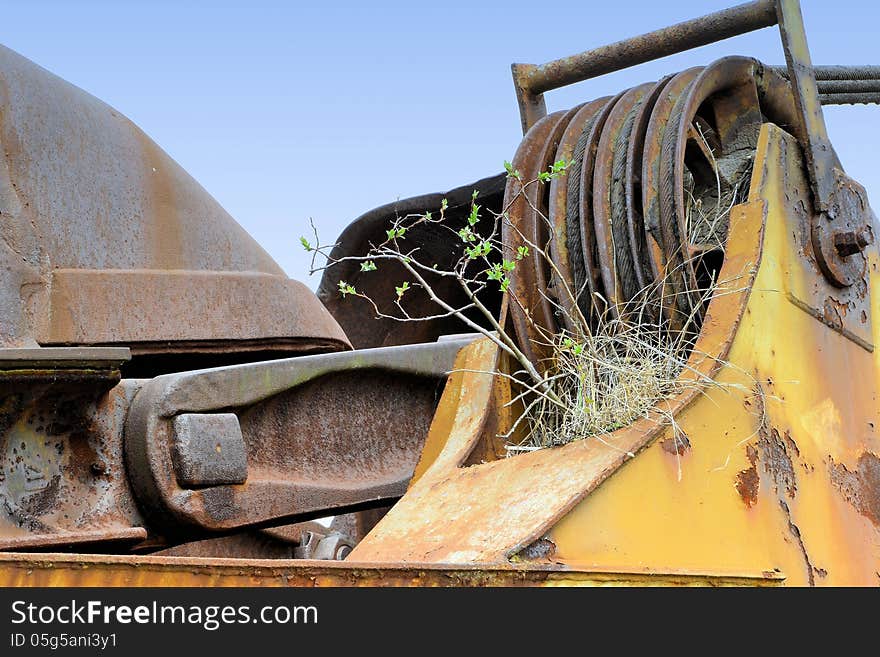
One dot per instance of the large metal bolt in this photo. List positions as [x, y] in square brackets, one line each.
[208, 449]
[850, 242]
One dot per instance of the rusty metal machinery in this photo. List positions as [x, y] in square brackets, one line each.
[769, 475]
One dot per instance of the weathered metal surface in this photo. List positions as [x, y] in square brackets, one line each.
[645, 271]
[847, 310]
[104, 359]
[234, 449]
[92, 570]
[323, 546]
[565, 252]
[107, 240]
[532, 81]
[616, 265]
[817, 146]
[530, 299]
[62, 477]
[579, 218]
[845, 85]
[867, 98]
[285, 542]
[357, 316]
[841, 234]
[838, 206]
[307, 435]
[322, 434]
[224, 311]
[655, 237]
[725, 91]
[208, 449]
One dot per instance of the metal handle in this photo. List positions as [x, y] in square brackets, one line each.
[532, 81]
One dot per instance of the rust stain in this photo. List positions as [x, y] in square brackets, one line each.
[747, 481]
[778, 466]
[166, 230]
[19, 569]
[777, 463]
[833, 313]
[861, 487]
[676, 445]
[541, 550]
[796, 533]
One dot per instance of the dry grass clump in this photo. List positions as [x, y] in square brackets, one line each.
[606, 381]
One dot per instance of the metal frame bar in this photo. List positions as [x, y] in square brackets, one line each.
[532, 81]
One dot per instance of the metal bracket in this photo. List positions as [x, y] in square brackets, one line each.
[290, 439]
[62, 478]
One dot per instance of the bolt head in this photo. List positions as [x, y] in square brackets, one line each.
[850, 242]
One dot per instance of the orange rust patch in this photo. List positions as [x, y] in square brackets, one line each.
[861, 488]
[677, 445]
[747, 481]
[777, 462]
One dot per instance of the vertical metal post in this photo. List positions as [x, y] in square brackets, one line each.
[817, 146]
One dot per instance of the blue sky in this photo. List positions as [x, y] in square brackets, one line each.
[288, 110]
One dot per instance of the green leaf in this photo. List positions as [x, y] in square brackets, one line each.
[494, 273]
[475, 215]
[346, 289]
[482, 249]
[401, 289]
[475, 194]
[511, 172]
[369, 265]
[396, 233]
[522, 252]
[305, 243]
[508, 265]
[505, 283]
[443, 205]
[558, 167]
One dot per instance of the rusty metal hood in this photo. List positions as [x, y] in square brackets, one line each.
[106, 240]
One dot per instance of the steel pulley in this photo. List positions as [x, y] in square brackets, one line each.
[637, 222]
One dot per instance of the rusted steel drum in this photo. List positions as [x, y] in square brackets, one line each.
[106, 240]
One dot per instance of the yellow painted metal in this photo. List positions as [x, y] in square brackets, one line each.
[782, 466]
[101, 570]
